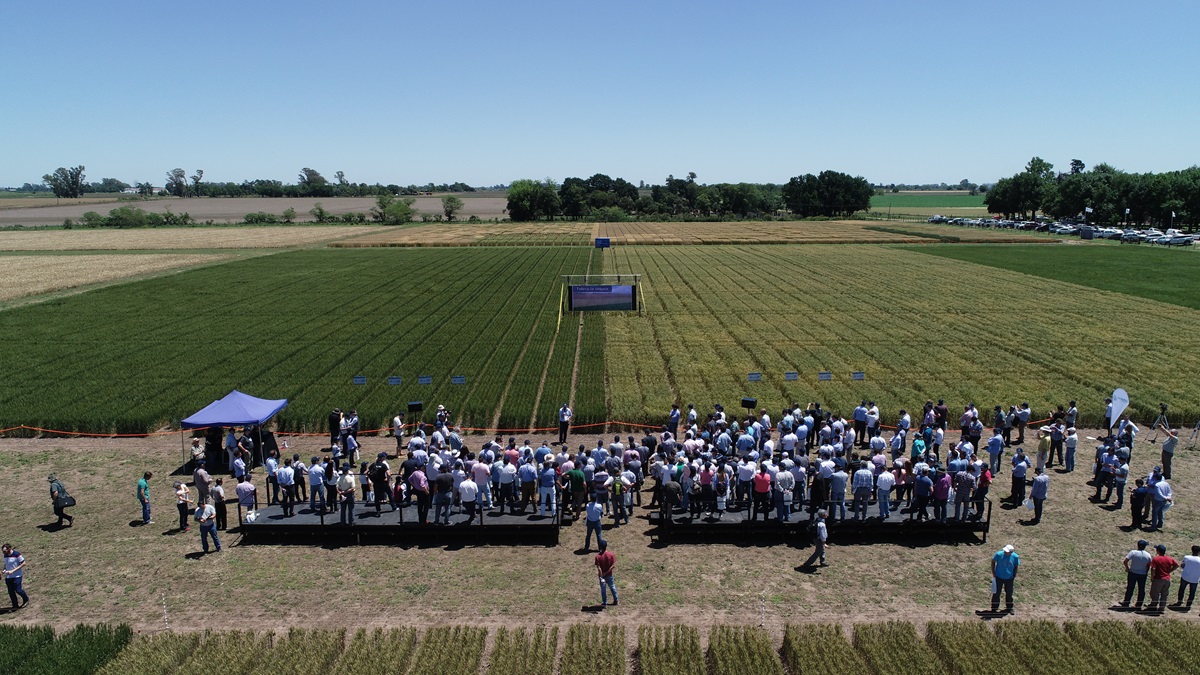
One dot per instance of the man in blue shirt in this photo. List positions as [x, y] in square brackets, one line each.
[1004, 573]
[14, 574]
[595, 511]
[673, 421]
[922, 489]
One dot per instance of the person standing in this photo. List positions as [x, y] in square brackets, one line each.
[883, 492]
[1161, 567]
[206, 515]
[272, 478]
[673, 421]
[1020, 465]
[995, 448]
[820, 541]
[231, 449]
[1137, 502]
[468, 496]
[595, 511]
[14, 575]
[316, 485]
[143, 495]
[247, 496]
[1168, 450]
[419, 484]
[380, 473]
[398, 432]
[1162, 495]
[345, 492]
[183, 502]
[1004, 574]
[606, 564]
[1023, 414]
[335, 425]
[285, 480]
[1189, 576]
[218, 494]
[443, 495]
[1038, 493]
[564, 423]
[1137, 567]
[1071, 441]
[61, 500]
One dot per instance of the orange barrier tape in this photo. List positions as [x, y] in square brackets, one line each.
[887, 426]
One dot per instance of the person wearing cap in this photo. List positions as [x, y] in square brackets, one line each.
[345, 492]
[1023, 414]
[1058, 433]
[820, 541]
[1137, 567]
[1004, 574]
[183, 503]
[1120, 477]
[1020, 466]
[197, 452]
[1071, 442]
[14, 575]
[202, 480]
[206, 515]
[1161, 567]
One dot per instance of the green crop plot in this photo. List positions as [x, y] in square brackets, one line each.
[917, 329]
[300, 326]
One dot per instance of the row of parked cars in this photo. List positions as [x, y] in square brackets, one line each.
[1171, 237]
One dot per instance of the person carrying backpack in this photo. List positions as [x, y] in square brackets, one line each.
[379, 473]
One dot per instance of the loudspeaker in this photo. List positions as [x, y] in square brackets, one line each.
[415, 406]
[749, 403]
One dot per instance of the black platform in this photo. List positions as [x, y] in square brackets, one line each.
[307, 527]
[737, 525]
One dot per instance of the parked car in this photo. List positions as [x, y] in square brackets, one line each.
[1180, 240]
[1132, 237]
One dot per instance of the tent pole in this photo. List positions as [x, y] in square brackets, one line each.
[182, 445]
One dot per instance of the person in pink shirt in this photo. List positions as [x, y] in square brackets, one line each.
[941, 494]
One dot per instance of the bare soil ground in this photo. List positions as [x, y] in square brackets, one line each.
[108, 568]
[234, 209]
[183, 238]
[23, 275]
[8, 203]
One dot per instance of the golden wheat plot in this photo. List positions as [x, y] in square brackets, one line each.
[22, 275]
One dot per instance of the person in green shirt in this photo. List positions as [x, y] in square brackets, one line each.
[577, 483]
[143, 495]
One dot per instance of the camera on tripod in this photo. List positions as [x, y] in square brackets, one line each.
[1163, 407]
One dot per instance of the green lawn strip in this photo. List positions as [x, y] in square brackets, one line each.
[1166, 275]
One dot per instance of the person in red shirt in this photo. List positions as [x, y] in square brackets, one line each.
[606, 562]
[1161, 567]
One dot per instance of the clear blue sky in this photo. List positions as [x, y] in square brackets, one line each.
[487, 92]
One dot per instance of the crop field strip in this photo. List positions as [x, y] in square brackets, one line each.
[392, 313]
[891, 648]
[717, 313]
[182, 238]
[674, 234]
[25, 275]
[1166, 275]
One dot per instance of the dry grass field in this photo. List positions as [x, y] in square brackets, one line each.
[104, 568]
[226, 210]
[770, 232]
[275, 236]
[24, 275]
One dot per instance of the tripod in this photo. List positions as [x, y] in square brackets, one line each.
[1194, 436]
[1160, 423]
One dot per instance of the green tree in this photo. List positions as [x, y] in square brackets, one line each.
[392, 211]
[196, 178]
[65, 182]
[313, 184]
[176, 182]
[289, 215]
[532, 200]
[107, 185]
[145, 189]
[451, 205]
[1077, 166]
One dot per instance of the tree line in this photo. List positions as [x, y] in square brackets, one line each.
[69, 182]
[1102, 194]
[602, 198]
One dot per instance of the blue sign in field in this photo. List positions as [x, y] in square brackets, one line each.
[424, 379]
[360, 379]
[754, 377]
[824, 376]
[458, 379]
[394, 380]
[791, 376]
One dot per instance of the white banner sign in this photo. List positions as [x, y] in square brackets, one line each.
[1120, 401]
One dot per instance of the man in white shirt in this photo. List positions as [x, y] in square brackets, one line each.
[862, 484]
[883, 492]
[468, 494]
[285, 477]
[398, 432]
[1189, 576]
[564, 423]
[316, 485]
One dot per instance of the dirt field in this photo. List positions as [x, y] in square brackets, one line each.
[105, 568]
[275, 236]
[233, 210]
[22, 275]
[10, 203]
